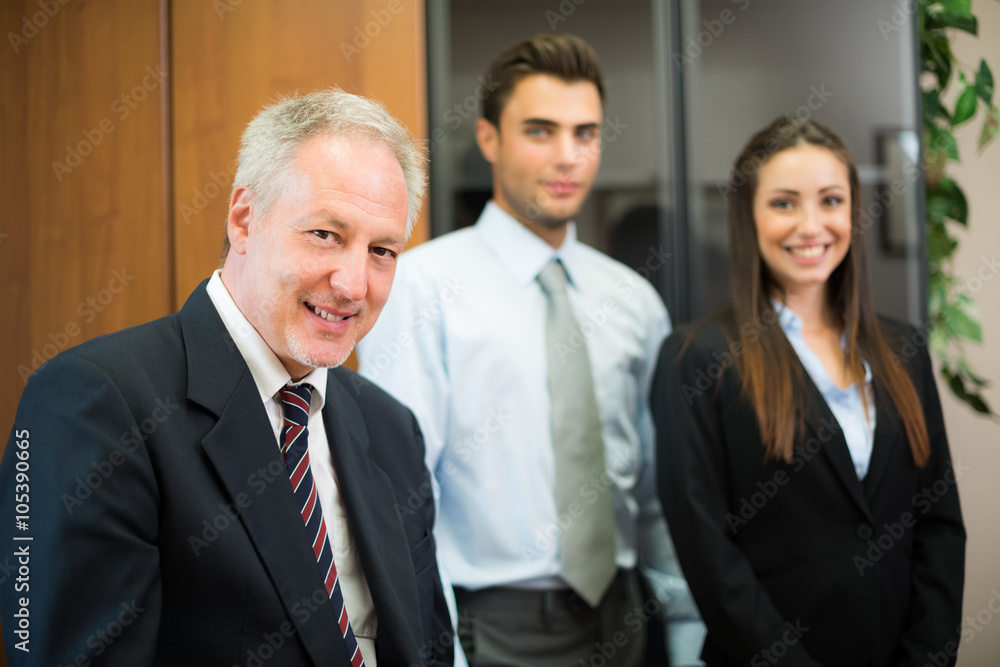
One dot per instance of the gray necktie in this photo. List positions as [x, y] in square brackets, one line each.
[583, 490]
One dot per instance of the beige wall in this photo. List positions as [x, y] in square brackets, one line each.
[976, 441]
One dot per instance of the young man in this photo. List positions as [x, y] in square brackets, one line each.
[211, 488]
[526, 357]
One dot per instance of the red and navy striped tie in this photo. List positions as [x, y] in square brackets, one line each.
[295, 450]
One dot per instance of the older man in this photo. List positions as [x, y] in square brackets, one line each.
[211, 488]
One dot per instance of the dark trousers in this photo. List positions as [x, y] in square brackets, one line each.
[512, 627]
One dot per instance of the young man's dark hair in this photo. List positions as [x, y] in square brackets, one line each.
[565, 57]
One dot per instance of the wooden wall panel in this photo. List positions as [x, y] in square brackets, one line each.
[82, 180]
[231, 59]
[15, 327]
[393, 70]
[82, 238]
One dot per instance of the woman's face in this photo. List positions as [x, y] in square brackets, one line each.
[802, 209]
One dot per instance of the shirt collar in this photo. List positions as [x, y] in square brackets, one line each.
[791, 324]
[522, 252]
[268, 372]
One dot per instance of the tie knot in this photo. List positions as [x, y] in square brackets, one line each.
[553, 278]
[295, 399]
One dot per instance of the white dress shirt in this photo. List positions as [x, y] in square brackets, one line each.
[461, 341]
[270, 376]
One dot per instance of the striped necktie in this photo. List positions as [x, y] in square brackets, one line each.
[294, 443]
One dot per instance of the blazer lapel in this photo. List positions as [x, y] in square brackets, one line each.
[888, 435]
[370, 499]
[828, 431]
[239, 447]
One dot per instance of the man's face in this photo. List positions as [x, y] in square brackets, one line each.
[546, 152]
[313, 276]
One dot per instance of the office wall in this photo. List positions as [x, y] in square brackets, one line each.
[120, 122]
[975, 441]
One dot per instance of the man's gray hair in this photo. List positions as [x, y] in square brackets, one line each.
[272, 139]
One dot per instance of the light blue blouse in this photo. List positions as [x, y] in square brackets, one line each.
[845, 404]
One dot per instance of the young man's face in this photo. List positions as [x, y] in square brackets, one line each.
[546, 152]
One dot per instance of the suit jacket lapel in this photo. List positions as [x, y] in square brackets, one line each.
[240, 446]
[369, 498]
[888, 435]
[828, 431]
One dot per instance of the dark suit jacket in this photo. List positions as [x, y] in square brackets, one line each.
[801, 561]
[164, 529]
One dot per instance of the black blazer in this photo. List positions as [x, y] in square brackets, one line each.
[801, 561]
[165, 532]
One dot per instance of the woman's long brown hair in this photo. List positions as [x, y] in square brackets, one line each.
[772, 377]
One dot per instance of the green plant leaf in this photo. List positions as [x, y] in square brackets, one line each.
[958, 14]
[984, 83]
[978, 403]
[973, 399]
[936, 57]
[965, 107]
[959, 323]
[991, 125]
[971, 376]
[947, 200]
[933, 107]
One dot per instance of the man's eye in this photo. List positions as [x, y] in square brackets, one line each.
[537, 132]
[383, 252]
[587, 135]
[321, 234]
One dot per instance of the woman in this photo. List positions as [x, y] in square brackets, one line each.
[803, 464]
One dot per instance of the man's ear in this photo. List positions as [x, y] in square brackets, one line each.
[488, 138]
[240, 219]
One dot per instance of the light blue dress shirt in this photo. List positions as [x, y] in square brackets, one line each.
[461, 341]
[857, 422]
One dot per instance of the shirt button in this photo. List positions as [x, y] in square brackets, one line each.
[865, 532]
